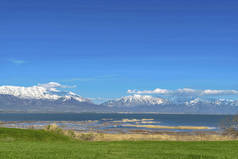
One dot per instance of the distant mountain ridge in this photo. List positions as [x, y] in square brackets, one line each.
[39, 92]
[48, 98]
[145, 103]
[43, 99]
[137, 100]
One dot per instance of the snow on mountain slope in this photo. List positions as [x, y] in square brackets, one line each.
[146, 100]
[135, 100]
[194, 101]
[48, 91]
[34, 92]
[226, 102]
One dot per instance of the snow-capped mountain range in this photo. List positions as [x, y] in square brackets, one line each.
[54, 97]
[136, 100]
[50, 97]
[40, 92]
[145, 103]
[147, 100]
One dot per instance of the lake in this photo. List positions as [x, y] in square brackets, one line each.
[101, 121]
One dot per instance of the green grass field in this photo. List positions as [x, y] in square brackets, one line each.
[39, 144]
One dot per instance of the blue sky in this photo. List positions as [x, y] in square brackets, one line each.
[108, 47]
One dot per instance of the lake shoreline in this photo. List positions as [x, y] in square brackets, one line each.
[124, 134]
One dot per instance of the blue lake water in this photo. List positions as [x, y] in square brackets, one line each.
[212, 121]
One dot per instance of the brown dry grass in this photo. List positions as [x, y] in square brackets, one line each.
[169, 127]
[157, 137]
[148, 136]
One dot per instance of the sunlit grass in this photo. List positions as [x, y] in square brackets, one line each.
[40, 144]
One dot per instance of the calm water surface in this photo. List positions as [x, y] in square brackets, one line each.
[163, 119]
[110, 121]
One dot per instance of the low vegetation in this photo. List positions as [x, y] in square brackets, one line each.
[230, 127]
[195, 136]
[169, 127]
[13, 134]
[48, 144]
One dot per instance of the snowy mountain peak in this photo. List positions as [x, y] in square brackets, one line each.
[48, 91]
[193, 102]
[34, 92]
[135, 100]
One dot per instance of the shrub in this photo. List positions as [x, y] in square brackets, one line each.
[54, 128]
[87, 137]
[230, 126]
[70, 133]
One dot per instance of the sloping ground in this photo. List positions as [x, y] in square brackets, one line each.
[12, 134]
[39, 144]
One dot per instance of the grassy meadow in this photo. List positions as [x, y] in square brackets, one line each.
[41, 144]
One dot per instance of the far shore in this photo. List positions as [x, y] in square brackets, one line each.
[55, 112]
[137, 134]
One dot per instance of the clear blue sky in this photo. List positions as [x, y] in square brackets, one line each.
[108, 47]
